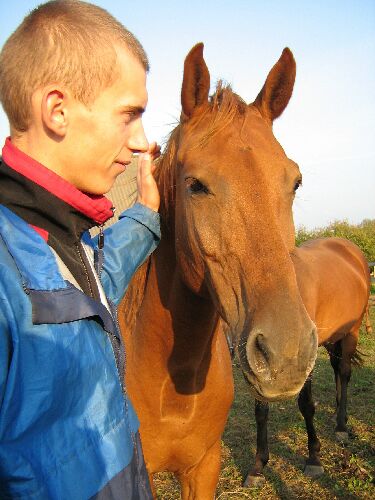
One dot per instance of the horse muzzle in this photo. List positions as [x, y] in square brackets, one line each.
[277, 370]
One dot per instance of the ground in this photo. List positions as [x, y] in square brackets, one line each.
[349, 468]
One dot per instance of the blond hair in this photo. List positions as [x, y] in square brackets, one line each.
[69, 42]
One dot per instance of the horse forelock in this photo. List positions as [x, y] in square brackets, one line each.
[223, 108]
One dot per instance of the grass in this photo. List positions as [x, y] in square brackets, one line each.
[349, 468]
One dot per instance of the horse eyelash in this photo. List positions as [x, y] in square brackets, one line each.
[199, 186]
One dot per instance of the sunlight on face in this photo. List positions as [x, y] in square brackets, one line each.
[102, 137]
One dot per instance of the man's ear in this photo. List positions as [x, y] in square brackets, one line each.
[54, 110]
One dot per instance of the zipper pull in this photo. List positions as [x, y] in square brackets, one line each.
[101, 237]
[98, 254]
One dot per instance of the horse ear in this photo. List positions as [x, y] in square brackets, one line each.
[277, 90]
[196, 81]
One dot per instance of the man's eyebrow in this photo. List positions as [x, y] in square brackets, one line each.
[132, 109]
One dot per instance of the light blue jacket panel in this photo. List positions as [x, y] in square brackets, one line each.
[66, 427]
[125, 251]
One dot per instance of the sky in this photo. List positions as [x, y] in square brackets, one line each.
[328, 127]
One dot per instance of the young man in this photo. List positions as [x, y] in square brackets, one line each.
[73, 85]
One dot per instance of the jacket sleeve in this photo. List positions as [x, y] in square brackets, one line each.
[127, 244]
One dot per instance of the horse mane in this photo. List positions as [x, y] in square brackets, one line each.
[223, 107]
[132, 301]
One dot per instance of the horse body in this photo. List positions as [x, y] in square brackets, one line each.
[227, 189]
[334, 281]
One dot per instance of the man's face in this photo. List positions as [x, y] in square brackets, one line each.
[101, 137]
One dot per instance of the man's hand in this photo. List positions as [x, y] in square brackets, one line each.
[148, 193]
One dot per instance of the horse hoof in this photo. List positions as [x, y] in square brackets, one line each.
[313, 470]
[343, 437]
[254, 481]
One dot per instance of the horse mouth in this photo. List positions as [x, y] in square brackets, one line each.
[264, 394]
[269, 389]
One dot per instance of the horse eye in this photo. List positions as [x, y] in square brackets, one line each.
[297, 184]
[195, 186]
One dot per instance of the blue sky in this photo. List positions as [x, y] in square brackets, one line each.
[328, 127]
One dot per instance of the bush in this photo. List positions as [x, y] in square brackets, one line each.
[362, 234]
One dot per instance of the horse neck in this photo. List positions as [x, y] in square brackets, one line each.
[182, 322]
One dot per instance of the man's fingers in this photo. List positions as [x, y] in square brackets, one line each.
[148, 193]
[145, 169]
[154, 150]
[152, 147]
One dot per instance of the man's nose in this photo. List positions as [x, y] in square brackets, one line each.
[138, 142]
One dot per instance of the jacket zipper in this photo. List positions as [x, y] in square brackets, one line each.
[99, 257]
[116, 343]
[84, 267]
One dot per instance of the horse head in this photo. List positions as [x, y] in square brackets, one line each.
[227, 201]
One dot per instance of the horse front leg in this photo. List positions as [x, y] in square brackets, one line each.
[255, 477]
[344, 370]
[334, 351]
[306, 405]
[200, 481]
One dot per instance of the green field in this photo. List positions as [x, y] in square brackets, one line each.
[349, 469]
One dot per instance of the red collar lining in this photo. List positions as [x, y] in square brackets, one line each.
[42, 232]
[97, 208]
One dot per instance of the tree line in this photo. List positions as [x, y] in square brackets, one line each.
[362, 234]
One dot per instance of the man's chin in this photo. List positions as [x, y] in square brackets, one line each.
[120, 166]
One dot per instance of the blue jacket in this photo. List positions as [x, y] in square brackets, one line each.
[66, 426]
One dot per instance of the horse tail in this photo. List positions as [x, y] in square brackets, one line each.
[358, 359]
[368, 322]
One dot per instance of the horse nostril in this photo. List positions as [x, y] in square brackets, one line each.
[261, 356]
[261, 346]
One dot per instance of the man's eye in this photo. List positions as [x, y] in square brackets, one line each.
[130, 115]
[195, 186]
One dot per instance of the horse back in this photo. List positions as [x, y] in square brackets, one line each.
[334, 282]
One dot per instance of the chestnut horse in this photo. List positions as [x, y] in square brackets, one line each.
[227, 190]
[334, 281]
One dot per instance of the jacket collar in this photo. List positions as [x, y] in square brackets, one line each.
[96, 208]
